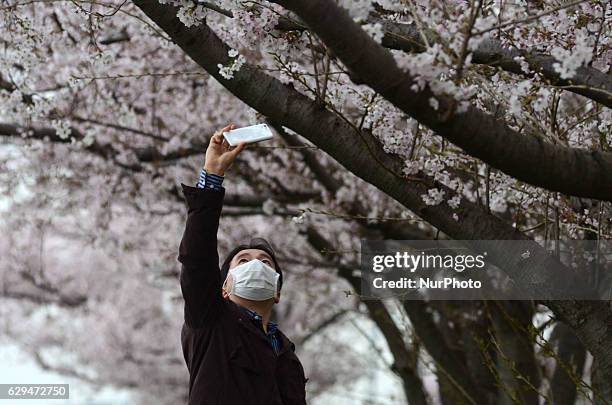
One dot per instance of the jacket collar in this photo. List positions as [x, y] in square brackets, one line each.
[287, 344]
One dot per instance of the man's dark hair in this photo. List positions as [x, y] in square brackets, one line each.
[254, 243]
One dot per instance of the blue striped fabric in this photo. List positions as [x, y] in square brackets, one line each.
[210, 180]
[272, 334]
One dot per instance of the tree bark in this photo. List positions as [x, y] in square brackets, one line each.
[516, 362]
[572, 355]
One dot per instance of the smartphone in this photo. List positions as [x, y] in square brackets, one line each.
[250, 134]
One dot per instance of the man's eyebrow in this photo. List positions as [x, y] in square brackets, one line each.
[239, 255]
[265, 255]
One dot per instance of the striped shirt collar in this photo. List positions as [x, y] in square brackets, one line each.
[272, 326]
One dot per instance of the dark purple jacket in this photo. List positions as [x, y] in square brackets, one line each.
[229, 358]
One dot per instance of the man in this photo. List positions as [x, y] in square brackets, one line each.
[234, 353]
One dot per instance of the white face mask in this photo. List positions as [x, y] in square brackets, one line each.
[253, 280]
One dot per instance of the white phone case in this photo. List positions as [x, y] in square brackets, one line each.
[253, 133]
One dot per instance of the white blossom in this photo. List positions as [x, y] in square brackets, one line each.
[523, 63]
[62, 128]
[411, 167]
[375, 30]
[269, 206]
[299, 219]
[434, 196]
[569, 60]
[455, 201]
[191, 15]
[433, 102]
[228, 71]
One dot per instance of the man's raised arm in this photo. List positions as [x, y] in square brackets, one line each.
[200, 275]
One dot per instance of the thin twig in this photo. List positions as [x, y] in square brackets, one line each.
[531, 18]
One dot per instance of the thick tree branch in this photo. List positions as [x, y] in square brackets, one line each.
[45, 298]
[587, 81]
[259, 211]
[147, 154]
[527, 158]
[42, 133]
[569, 365]
[256, 201]
[66, 371]
[516, 362]
[249, 204]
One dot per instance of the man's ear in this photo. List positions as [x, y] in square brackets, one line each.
[224, 293]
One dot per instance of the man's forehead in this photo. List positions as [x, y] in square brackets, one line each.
[253, 252]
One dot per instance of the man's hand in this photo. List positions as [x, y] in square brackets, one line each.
[220, 155]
